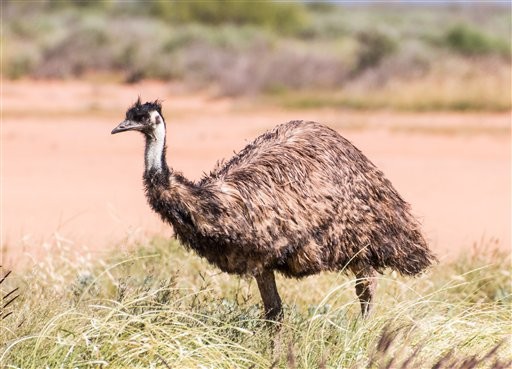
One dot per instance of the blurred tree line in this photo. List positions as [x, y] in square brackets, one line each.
[284, 17]
[248, 46]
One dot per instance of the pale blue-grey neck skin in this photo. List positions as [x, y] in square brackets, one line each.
[154, 156]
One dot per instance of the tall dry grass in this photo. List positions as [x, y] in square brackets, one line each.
[158, 306]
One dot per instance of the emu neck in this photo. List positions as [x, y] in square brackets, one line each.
[154, 156]
[177, 200]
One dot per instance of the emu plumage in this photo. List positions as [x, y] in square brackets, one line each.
[299, 199]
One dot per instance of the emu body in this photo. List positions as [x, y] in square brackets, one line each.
[299, 199]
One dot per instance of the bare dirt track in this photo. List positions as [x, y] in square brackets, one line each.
[63, 172]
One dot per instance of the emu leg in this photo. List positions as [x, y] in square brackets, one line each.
[269, 295]
[365, 287]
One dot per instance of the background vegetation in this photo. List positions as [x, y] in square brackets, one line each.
[159, 306]
[453, 57]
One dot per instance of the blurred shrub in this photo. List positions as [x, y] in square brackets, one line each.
[328, 26]
[284, 17]
[469, 41]
[20, 65]
[413, 61]
[83, 49]
[262, 68]
[374, 46]
[57, 4]
[321, 6]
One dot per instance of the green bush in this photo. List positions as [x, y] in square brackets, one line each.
[374, 47]
[281, 17]
[19, 66]
[470, 41]
[57, 4]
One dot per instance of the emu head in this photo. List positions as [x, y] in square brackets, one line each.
[146, 118]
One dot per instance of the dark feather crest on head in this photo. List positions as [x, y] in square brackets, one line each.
[139, 112]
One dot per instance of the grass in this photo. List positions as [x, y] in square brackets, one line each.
[158, 306]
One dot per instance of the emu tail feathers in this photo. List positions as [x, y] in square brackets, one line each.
[398, 243]
[413, 254]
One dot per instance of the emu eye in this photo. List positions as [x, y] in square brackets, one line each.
[158, 120]
[140, 117]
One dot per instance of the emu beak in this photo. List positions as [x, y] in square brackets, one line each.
[128, 125]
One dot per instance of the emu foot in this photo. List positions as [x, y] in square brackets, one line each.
[274, 314]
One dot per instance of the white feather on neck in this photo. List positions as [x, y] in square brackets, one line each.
[155, 145]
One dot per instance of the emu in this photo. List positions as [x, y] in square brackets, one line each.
[298, 200]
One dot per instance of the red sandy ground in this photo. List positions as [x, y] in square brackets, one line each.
[63, 173]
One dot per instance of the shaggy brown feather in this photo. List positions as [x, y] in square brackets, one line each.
[299, 199]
